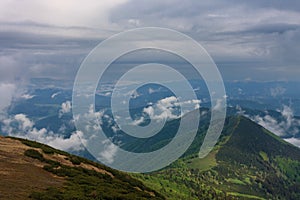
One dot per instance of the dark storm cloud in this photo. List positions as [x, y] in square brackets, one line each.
[42, 55]
[277, 4]
[258, 39]
[275, 28]
[249, 37]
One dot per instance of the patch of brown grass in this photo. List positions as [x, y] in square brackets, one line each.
[20, 175]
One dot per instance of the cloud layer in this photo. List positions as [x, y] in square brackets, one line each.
[286, 126]
[20, 125]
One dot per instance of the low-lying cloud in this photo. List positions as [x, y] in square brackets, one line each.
[7, 91]
[167, 109]
[277, 91]
[109, 152]
[65, 108]
[21, 126]
[286, 126]
[294, 141]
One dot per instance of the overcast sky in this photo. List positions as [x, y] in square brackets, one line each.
[249, 40]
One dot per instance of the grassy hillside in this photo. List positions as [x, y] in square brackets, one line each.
[29, 170]
[248, 162]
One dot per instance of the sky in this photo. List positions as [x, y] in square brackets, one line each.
[255, 40]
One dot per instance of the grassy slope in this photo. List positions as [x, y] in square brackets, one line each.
[36, 171]
[249, 162]
[21, 175]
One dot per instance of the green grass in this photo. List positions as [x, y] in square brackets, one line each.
[241, 166]
[264, 156]
[87, 184]
[289, 167]
[203, 164]
[170, 189]
[247, 180]
[247, 196]
[235, 181]
[247, 163]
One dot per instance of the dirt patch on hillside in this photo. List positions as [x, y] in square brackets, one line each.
[19, 174]
[64, 160]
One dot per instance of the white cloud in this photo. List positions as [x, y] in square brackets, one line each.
[151, 90]
[134, 22]
[115, 128]
[271, 124]
[24, 122]
[27, 96]
[72, 143]
[240, 91]
[294, 141]
[21, 126]
[219, 104]
[107, 94]
[7, 91]
[139, 121]
[61, 13]
[13, 77]
[167, 109]
[289, 125]
[109, 152]
[167, 102]
[65, 108]
[240, 111]
[54, 95]
[8, 68]
[135, 94]
[277, 91]
[93, 119]
[288, 114]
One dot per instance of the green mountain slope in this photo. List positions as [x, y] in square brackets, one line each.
[248, 162]
[29, 170]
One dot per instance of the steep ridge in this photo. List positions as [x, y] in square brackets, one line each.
[258, 156]
[248, 162]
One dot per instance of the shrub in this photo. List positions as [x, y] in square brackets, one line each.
[48, 150]
[34, 154]
[75, 160]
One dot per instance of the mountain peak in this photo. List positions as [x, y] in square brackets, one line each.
[249, 138]
[248, 162]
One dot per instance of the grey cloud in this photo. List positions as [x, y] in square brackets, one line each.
[7, 91]
[275, 4]
[31, 55]
[256, 38]
[279, 28]
[24, 56]
[249, 38]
